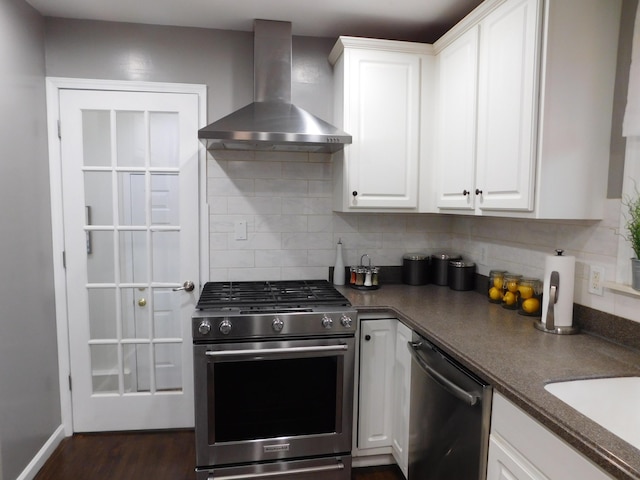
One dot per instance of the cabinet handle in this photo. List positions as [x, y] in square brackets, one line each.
[478, 191]
[354, 193]
[465, 192]
[367, 338]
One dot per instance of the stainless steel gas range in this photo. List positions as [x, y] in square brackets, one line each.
[273, 366]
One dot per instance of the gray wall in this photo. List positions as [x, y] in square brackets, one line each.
[618, 142]
[221, 59]
[29, 394]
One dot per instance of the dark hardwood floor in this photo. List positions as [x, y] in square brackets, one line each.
[135, 456]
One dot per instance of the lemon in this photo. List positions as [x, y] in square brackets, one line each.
[525, 291]
[495, 293]
[512, 286]
[497, 282]
[509, 298]
[531, 305]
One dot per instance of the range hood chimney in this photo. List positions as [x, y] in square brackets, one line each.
[272, 122]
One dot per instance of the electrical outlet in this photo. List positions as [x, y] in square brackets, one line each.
[240, 229]
[483, 255]
[596, 280]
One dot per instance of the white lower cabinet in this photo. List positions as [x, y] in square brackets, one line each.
[402, 396]
[377, 356]
[522, 449]
[383, 393]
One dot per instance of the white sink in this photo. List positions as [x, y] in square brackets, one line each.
[614, 403]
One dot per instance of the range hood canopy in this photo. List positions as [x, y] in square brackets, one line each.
[272, 122]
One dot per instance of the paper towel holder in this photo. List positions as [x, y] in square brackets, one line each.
[554, 293]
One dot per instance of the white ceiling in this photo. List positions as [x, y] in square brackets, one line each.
[418, 20]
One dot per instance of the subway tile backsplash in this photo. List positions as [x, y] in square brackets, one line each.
[286, 200]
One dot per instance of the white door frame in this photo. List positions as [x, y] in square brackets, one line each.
[53, 87]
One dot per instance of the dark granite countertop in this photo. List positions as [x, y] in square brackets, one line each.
[518, 360]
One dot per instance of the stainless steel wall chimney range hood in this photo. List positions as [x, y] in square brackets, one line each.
[272, 122]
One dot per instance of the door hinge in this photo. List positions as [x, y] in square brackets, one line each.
[64, 259]
[70, 384]
[59, 130]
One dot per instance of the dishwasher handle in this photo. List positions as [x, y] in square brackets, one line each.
[458, 392]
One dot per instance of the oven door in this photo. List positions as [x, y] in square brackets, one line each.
[273, 400]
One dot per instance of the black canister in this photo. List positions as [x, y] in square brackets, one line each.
[415, 269]
[440, 268]
[462, 275]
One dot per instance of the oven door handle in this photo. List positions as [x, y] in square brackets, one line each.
[295, 471]
[275, 351]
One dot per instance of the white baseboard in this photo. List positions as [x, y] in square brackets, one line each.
[372, 461]
[43, 454]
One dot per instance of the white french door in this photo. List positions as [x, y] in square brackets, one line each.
[130, 205]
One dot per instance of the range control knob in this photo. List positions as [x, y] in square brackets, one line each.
[277, 325]
[327, 322]
[345, 320]
[204, 327]
[225, 327]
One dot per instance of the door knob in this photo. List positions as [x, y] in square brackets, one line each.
[142, 302]
[187, 286]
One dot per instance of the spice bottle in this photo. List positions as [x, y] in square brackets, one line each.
[375, 280]
[367, 278]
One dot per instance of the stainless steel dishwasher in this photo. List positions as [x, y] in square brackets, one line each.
[449, 417]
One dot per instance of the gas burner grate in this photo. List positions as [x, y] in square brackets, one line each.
[286, 293]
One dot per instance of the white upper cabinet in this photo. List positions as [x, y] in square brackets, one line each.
[378, 87]
[506, 100]
[456, 148]
[534, 143]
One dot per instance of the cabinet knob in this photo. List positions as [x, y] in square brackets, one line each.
[478, 191]
[367, 338]
[465, 192]
[354, 193]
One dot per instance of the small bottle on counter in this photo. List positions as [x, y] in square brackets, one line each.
[338, 269]
[375, 281]
[367, 278]
[360, 276]
[352, 277]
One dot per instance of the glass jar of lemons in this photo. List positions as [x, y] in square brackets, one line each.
[530, 297]
[496, 282]
[510, 290]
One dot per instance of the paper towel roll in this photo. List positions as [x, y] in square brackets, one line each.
[563, 309]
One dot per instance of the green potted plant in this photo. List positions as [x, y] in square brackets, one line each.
[632, 217]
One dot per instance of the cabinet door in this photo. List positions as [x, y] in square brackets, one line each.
[506, 106]
[505, 463]
[383, 100]
[521, 448]
[456, 144]
[401, 391]
[377, 352]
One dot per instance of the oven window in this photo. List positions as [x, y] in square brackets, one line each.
[273, 398]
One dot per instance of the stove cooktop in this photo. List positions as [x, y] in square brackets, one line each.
[267, 310]
[272, 295]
